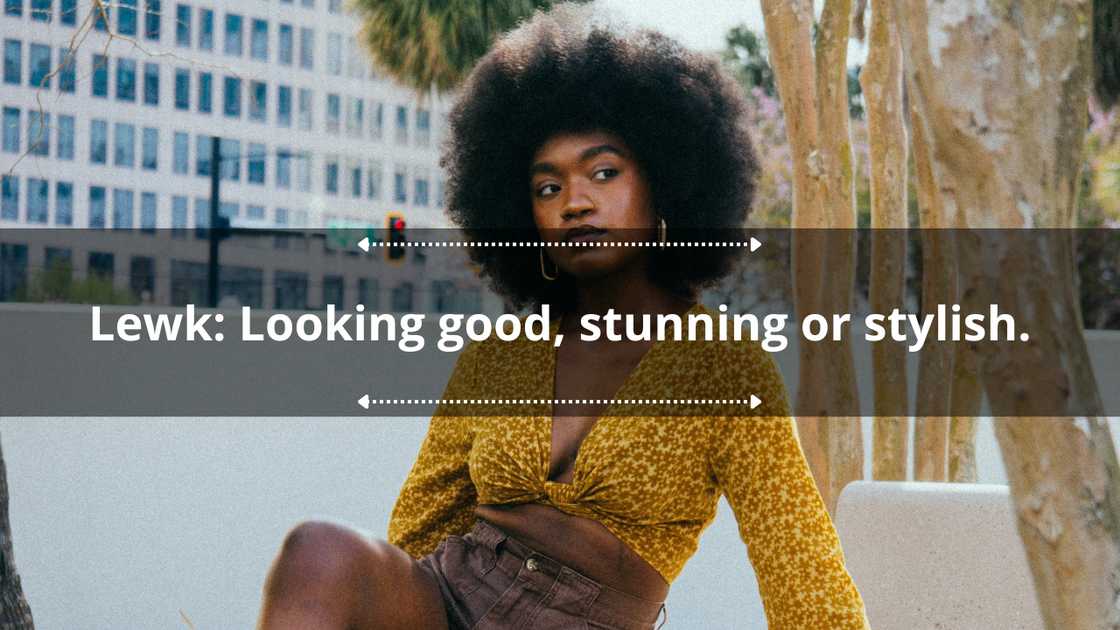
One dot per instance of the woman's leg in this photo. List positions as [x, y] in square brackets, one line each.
[327, 576]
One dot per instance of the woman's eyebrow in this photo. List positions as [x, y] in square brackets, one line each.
[587, 154]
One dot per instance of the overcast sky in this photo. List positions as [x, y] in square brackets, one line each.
[700, 24]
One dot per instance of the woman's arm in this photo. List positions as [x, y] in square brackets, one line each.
[791, 541]
[438, 497]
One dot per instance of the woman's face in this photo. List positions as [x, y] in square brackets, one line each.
[587, 186]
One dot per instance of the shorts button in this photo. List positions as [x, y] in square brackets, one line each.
[531, 564]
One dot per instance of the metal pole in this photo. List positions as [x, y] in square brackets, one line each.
[215, 179]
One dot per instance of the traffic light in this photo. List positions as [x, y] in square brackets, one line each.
[396, 248]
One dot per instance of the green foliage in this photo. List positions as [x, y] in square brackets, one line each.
[435, 43]
[57, 284]
[747, 58]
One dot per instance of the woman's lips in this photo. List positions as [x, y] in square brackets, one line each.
[585, 233]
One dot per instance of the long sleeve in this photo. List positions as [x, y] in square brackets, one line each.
[438, 497]
[791, 540]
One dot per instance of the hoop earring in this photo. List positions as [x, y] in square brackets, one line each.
[544, 273]
[661, 232]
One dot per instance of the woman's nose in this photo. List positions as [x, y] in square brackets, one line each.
[575, 212]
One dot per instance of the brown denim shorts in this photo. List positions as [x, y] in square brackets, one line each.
[491, 581]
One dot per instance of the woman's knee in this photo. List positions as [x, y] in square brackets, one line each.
[323, 552]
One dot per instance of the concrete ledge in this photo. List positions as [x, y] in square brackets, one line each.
[936, 555]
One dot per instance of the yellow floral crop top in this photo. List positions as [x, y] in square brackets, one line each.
[654, 482]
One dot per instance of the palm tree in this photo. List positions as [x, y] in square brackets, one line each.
[435, 43]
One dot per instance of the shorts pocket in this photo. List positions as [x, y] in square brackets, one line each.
[465, 564]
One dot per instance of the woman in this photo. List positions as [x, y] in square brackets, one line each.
[553, 515]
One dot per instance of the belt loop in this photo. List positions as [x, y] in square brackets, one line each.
[664, 611]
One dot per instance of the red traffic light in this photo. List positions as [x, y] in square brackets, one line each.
[398, 223]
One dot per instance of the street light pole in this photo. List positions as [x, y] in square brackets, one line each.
[212, 232]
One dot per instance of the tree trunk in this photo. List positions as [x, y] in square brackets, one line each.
[1002, 94]
[813, 90]
[15, 614]
[881, 81]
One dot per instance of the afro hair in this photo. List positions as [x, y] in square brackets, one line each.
[681, 114]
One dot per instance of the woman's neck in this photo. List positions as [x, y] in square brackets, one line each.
[626, 294]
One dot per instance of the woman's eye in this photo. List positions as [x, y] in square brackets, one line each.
[547, 189]
[605, 173]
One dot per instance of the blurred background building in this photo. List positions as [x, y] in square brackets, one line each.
[109, 111]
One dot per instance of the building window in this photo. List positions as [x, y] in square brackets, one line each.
[182, 89]
[65, 147]
[101, 265]
[126, 17]
[283, 106]
[99, 82]
[258, 101]
[39, 70]
[142, 276]
[400, 186]
[307, 48]
[179, 205]
[334, 54]
[233, 34]
[420, 191]
[423, 127]
[257, 157]
[96, 206]
[67, 72]
[290, 290]
[68, 12]
[181, 160]
[149, 156]
[63, 203]
[98, 141]
[188, 283]
[355, 116]
[183, 25]
[13, 7]
[101, 17]
[373, 180]
[151, 84]
[355, 171]
[331, 176]
[402, 124]
[124, 145]
[205, 92]
[334, 6]
[13, 61]
[334, 112]
[305, 119]
[258, 47]
[232, 97]
[202, 156]
[376, 120]
[38, 133]
[41, 10]
[148, 211]
[152, 16]
[11, 130]
[402, 298]
[368, 293]
[122, 208]
[303, 171]
[37, 200]
[231, 159]
[334, 291]
[126, 80]
[13, 269]
[205, 29]
[285, 47]
[283, 169]
[9, 200]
